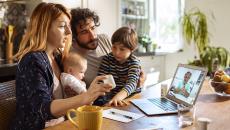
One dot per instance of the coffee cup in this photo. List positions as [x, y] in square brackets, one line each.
[87, 117]
[110, 80]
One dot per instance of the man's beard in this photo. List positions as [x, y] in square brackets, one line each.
[91, 45]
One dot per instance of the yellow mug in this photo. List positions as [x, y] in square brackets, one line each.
[88, 117]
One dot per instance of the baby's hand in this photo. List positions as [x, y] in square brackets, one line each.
[69, 91]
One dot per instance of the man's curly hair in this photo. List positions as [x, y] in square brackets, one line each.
[82, 14]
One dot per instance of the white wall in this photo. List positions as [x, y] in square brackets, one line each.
[67, 3]
[31, 4]
[218, 28]
[108, 12]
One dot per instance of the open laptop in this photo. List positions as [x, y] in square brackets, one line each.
[184, 89]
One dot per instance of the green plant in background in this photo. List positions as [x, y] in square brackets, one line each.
[194, 24]
[195, 30]
[211, 56]
[144, 40]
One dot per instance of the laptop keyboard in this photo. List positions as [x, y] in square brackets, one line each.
[164, 104]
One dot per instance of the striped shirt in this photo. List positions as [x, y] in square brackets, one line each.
[126, 75]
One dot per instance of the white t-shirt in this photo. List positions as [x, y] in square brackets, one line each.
[57, 94]
[74, 83]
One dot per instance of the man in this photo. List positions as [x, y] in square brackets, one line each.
[87, 43]
[184, 87]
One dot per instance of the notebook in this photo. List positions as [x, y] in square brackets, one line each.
[184, 89]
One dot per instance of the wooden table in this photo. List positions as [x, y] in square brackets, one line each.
[208, 105]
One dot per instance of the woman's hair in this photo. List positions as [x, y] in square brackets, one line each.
[82, 14]
[35, 38]
[126, 36]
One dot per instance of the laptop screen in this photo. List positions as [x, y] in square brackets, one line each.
[186, 83]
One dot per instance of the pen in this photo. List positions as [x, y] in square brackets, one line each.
[115, 113]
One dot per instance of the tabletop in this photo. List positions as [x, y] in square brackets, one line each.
[208, 105]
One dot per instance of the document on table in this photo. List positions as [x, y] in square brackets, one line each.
[153, 128]
[121, 115]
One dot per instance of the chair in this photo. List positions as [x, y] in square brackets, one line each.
[7, 103]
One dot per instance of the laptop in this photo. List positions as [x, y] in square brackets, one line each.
[184, 89]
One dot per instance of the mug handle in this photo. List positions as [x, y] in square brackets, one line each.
[70, 118]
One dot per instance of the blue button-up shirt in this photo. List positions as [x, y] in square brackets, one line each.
[34, 81]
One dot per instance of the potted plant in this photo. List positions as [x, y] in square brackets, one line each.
[213, 58]
[194, 24]
[145, 41]
[195, 30]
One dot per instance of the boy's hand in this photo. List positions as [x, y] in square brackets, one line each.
[117, 100]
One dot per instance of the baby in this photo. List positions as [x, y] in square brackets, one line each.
[74, 69]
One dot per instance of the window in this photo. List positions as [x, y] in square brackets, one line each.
[165, 29]
[159, 19]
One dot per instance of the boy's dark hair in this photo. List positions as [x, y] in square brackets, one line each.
[126, 36]
[82, 14]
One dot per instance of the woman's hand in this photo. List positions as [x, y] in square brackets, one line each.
[97, 89]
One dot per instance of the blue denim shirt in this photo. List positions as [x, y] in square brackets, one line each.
[34, 81]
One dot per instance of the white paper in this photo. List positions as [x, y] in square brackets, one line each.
[153, 128]
[120, 115]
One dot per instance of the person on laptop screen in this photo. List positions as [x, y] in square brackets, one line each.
[184, 87]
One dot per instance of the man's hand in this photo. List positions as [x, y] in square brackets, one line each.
[184, 92]
[141, 79]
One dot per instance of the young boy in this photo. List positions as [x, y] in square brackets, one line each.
[74, 69]
[123, 65]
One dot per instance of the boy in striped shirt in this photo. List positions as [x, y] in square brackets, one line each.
[123, 65]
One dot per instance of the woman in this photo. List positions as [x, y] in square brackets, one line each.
[39, 96]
